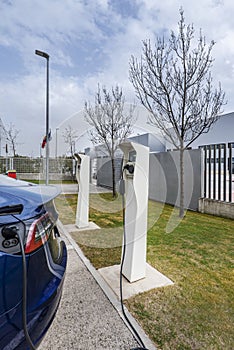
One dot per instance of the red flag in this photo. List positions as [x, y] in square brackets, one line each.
[43, 142]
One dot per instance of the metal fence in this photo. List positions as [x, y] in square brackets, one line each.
[218, 171]
[104, 171]
[34, 166]
[164, 177]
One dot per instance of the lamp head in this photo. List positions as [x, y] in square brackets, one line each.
[42, 54]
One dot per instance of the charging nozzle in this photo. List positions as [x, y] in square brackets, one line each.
[11, 209]
[9, 232]
[129, 167]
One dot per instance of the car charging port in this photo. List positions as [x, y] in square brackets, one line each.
[11, 239]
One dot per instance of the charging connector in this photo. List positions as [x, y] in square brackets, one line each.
[129, 167]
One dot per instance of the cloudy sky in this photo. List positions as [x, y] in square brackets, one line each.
[90, 42]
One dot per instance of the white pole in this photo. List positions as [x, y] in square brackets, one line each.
[136, 209]
[82, 175]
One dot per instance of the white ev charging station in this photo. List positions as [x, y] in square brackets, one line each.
[139, 275]
[82, 176]
[135, 175]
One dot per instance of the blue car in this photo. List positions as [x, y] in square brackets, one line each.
[33, 260]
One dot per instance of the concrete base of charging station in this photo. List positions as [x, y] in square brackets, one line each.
[73, 227]
[153, 279]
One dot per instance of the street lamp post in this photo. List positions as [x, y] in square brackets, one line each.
[46, 56]
[56, 143]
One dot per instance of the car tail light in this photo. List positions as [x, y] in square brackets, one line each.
[38, 233]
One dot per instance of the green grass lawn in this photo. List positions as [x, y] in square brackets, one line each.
[197, 312]
[51, 182]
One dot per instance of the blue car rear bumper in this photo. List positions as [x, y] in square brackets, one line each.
[45, 281]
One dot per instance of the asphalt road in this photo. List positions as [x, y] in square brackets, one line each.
[89, 316]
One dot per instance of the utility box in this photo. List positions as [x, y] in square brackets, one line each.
[136, 177]
[82, 176]
[11, 173]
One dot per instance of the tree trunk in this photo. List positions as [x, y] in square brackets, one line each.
[113, 177]
[181, 181]
[14, 150]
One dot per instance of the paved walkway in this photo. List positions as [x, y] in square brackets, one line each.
[73, 188]
[89, 316]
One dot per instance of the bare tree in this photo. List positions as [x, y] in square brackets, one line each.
[111, 123]
[70, 137]
[11, 135]
[173, 81]
[2, 134]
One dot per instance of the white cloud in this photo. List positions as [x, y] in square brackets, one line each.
[91, 42]
[26, 106]
[48, 25]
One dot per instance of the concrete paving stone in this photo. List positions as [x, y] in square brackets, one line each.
[153, 279]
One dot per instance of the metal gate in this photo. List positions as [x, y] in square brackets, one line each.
[219, 171]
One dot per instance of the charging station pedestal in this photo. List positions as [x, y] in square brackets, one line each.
[136, 175]
[82, 176]
[139, 275]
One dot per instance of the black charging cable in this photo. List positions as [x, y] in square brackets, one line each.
[24, 287]
[122, 192]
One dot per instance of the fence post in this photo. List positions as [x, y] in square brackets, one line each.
[214, 171]
[224, 172]
[209, 171]
[205, 171]
[230, 145]
[219, 171]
